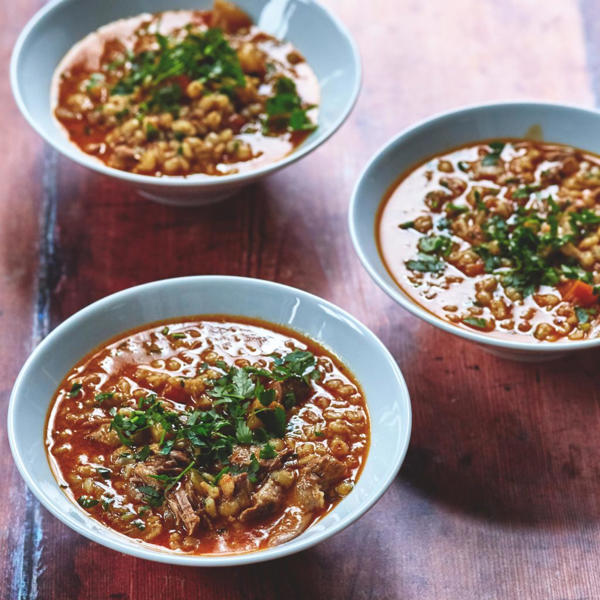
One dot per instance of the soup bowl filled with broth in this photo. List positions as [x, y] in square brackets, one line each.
[209, 421]
[185, 103]
[485, 222]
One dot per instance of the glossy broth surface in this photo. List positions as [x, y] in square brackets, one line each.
[131, 434]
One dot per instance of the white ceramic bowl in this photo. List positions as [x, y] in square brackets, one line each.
[387, 397]
[320, 37]
[558, 123]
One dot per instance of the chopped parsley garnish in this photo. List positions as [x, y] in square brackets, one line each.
[527, 249]
[493, 156]
[205, 56]
[243, 434]
[426, 263]
[274, 420]
[104, 472]
[298, 363]
[456, 209]
[285, 110]
[253, 468]
[431, 249]
[75, 389]
[94, 80]
[209, 436]
[479, 203]
[583, 315]
[435, 244]
[143, 454]
[87, 501]
[443, 223]
[152, 496]
[152, 133]
[525, 191]
[476, 322]
[267, 452]
[100, 398]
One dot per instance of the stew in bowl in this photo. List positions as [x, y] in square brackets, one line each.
[500, 236]
[208, 434]
[185, 91]
[237, 436]
[485, 222]
[186, 103]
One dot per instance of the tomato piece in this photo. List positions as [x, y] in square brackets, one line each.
[578, 292]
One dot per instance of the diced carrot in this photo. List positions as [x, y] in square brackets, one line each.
[578, 292]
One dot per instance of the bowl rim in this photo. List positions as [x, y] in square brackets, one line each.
[394, 291]
[207, 560]
[197, 180]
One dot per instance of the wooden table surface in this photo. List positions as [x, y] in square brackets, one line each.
[499, 497]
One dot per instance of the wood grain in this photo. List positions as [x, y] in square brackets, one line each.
[500, 493]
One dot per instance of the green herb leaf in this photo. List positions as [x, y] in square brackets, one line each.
[152, 495]
[476, 322]
[407, 225]
[243, 433]
[267, 397]
[206, 57]
[583, 316]
[525, 191]
[435, 244]
[284, 109]
[492, 157]
[86, 501]
[143, 454]
[152, 133]
[100, 398]
[104, 472]
[267, 452]
[94, 80]
[426, 263]
[456, 209]
[274, 420]
[75, 389]
[253, 468]
[139, 524]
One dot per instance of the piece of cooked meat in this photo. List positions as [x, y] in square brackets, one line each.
[327, 469]
[105, 435]
[309, 494]
[174, 457]
[241, 456]
[265, 501]
[316, 478]
[294, 385]
[144, 473]
[291, 526]
[184, 512]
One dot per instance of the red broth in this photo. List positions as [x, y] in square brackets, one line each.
[500, 237]
[189, 122]
[131, 434]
